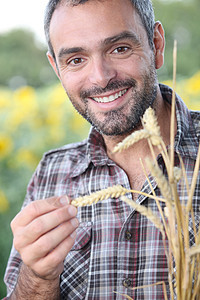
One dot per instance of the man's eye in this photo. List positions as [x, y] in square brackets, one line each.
[121, 49]
[75, 61]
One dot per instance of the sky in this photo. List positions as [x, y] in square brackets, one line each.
[23, 14]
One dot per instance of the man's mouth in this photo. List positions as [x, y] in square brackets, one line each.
[110, 98]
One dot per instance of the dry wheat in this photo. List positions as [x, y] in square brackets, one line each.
[113, 192]
[150, 123]
[131, 139]
[160, 179]
[147, 212]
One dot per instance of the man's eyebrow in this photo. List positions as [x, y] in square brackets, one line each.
[66, 51]
[123, 36]
[110, 40]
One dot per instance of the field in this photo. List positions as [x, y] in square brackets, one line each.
[32, 122]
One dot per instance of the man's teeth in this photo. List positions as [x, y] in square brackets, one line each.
[110, 98]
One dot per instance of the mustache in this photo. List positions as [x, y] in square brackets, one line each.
[110, 87]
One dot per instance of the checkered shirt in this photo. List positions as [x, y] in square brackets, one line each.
[116, 248]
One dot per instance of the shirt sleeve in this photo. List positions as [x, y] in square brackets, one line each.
[14, 261]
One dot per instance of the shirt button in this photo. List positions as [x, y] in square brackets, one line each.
[128, 235]
[126, 282]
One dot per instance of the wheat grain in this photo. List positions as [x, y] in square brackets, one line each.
[131, 139]
[160, 179]
[177, 174]
[150, 123]
[113, 192]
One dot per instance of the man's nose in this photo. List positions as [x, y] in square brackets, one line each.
[101, 72]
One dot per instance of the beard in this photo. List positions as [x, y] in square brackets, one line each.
[124, 119]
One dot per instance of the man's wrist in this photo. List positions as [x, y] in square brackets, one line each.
[33, 286]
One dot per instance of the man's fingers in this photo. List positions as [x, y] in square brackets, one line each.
[48, 242]
[58, 201]
[38, 208]
[48, 265]
[41, 228]
[42, 225]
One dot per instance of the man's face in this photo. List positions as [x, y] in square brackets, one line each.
[104, 63]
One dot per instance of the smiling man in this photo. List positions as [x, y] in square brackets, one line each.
[105, 53]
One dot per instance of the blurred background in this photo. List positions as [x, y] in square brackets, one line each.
[35, 114]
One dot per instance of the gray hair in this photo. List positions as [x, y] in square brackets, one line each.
[143, 7]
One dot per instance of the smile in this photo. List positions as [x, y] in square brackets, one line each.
[111, 97]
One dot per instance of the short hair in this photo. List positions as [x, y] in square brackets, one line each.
[143, 7]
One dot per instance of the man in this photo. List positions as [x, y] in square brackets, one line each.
[105, 53]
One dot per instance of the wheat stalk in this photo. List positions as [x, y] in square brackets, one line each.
[147, 212]
[144, 287]
[111, 192]
[194, 179]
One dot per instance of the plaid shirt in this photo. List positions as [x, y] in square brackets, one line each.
[116, 247]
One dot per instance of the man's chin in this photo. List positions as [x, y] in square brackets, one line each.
[117, 130]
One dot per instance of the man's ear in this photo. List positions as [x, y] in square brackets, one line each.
[53, 63]
[159, 44]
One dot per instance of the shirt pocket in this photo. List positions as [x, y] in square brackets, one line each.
[83, 236]
[74, 279]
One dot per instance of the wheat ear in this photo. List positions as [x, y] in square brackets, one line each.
[150, 123]
[160, 179]
[147, 212]
[113, 192]
[133, 138]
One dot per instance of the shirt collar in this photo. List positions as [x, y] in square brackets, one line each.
[94, 153]
[186, 140]
[96, 149]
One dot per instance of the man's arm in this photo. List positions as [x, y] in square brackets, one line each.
[30, 287]
[44, 233]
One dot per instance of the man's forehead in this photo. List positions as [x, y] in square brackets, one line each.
[78, 25]
[76, 7]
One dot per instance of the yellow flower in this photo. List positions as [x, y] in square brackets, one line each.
[56, 134]
[24, 95]
[6, 145]
[58, 96]
[54, 116]
[188, 90]
[192, 85]
[24, 108]
[4, 204]
[78, 123]
[5, 96]
[26, 157]
[168, 82]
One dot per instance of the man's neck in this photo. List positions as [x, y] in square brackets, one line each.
[130, 159]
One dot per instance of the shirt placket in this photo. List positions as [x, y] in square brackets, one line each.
[128, 244]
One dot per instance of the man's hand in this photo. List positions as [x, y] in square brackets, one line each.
[44, 233]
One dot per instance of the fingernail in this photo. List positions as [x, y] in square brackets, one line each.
[72, 210]
[73, 235]
[74, 222]
[64, 200]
